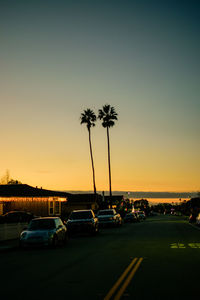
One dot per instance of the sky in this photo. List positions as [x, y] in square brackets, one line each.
[58, 58]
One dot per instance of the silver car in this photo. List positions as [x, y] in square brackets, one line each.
[46, 231]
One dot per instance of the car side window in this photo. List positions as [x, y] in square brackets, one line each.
[59, 222]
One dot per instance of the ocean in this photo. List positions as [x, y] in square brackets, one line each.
[154, 201]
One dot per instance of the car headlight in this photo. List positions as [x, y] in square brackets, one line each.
[50, 234]
[23, 235]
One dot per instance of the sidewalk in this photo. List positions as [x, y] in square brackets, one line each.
[10, 231]
[9, 235]
[8, 245]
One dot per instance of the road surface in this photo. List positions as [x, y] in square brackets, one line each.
[158, 258]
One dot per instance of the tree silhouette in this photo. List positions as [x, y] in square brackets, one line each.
[88, 117]
[108, 115]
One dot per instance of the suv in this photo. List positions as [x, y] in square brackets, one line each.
[109, 217]
[83, 221]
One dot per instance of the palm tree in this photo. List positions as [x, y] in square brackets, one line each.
[88, 117]
[108, 115]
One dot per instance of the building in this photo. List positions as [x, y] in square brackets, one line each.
[83, 201]
[113, 201]
[24, 197]
[43, 202]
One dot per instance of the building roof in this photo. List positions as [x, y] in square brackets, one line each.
[25, 190]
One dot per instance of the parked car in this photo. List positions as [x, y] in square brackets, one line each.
[192, 218]
[131, 217]
[46, 231]
[198, 220]
[108, 217]
[153, 213]
[82, 221]
[16, 217]
[177, 213]
[141, 215]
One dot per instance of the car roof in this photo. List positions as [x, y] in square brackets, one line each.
[81, 210]
[17, 211]
[45, 218]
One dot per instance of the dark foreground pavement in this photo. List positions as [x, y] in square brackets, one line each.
[9, 245]
[88, 267]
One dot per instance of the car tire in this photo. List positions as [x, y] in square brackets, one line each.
[65, 240]
[95, 231]
[21, 245]
[55, 241]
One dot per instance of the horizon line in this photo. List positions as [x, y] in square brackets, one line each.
[122, 191]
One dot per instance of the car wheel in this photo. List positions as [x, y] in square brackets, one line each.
[55, 241]
[65, 240]
[95, 231]
[21, 245]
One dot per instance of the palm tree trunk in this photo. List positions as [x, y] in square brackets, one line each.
[91, 155]
[109, 169]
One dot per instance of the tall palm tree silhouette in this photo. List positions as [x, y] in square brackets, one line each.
[88, 117]
[108, 115]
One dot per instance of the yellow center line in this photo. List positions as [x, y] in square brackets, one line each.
[118, 282]
[128, 280]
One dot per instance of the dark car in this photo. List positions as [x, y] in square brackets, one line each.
[198, 220]
[82, 221]
[141, 215]
[109, 217]
[192, 218]
[46, 231]
[131, 218]
[17, 217]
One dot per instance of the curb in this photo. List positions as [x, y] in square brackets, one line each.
[194, 226]
[9, 245]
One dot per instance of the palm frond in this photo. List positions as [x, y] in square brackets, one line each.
[88, 117]
[107, 114]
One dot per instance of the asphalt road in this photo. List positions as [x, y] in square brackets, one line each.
[160, 258]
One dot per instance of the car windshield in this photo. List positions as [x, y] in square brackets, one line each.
[105, 212]
[80, 215]
[41, 224]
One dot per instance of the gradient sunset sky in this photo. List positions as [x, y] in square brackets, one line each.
[59, 57]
